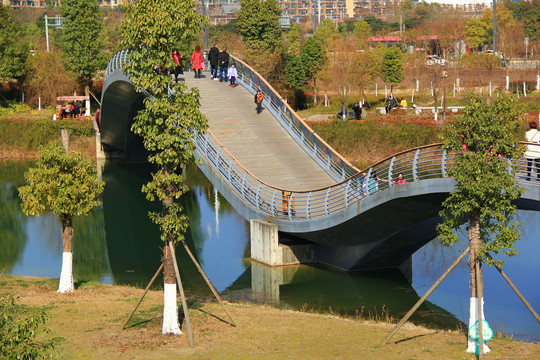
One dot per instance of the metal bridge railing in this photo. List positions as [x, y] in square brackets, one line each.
[295, 125]
[426, 162]
[417, 164]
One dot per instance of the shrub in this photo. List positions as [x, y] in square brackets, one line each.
[20, 327]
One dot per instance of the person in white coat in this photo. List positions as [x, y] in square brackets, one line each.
[232, 74]
[533, 151]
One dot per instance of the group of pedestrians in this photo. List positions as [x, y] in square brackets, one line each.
[392, 102]
[219, 60]
[358, 113]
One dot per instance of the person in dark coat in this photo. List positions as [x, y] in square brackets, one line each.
[223, 60]
[258, 100]
[213, 55]
[357, 111]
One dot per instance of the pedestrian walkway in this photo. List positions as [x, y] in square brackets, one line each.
[258, 142]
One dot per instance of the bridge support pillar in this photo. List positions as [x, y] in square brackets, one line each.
[265, 246]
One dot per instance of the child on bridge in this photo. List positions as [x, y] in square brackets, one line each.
[232, 74]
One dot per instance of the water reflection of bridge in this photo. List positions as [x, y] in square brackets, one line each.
[253, 160]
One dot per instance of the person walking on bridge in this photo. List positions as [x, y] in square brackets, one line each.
[223, 60]
[533, 151]
[197, 61]
[232, 74]
[177, 58]
[258, 100]
[213, 55]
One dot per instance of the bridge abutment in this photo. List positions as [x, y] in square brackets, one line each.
[267, 249]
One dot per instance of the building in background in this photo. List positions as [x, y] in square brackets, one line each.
[17, 4]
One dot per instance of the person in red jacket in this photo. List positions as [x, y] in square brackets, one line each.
[197, 61]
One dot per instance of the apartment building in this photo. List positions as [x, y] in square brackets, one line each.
[17, 4]
[338, 10]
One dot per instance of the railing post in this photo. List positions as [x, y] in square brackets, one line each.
[289, 206]
[326, 202]
[308, 204]
[329, 158]
[342, 170]
[218, 156]
[347, 187]
[229, 171]
[207, 140]
[274, 210]
[391, 171]
[415, 165]
[257, 196]
[243, 186]
[444, 171]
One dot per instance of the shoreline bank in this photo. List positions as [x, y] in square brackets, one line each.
[88, 324]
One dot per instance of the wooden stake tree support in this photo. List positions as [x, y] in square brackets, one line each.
[181, 291]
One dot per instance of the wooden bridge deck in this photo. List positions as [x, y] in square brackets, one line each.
[258, 142]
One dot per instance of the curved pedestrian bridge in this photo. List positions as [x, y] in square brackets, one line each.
[273, 167]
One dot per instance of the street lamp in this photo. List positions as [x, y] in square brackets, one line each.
[444, 75]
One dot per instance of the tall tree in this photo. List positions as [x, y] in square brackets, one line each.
[293, 39]
[167, 125]
[293, 75]
[66, 184]
[13, 54]
[258, 23]
[392, 66]
[326, 32]
[81, 42]
[481, 205]
[313, 56]
[475, 33]
[362, 32]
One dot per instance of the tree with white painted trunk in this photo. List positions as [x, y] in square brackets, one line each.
[481, 205]
[67, 184]
[151, 30]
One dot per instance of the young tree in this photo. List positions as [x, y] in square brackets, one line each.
[169, 121]
[392, 66]
[367, 68]
[81, 42]
[13, 54]
[293, 75]
[485, 188]
[67, 185]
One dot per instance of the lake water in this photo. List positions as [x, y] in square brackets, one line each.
[117, 244]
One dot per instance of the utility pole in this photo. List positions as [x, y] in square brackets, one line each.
[205, 27]
[494, 26]
[57, 24]
[314, 15]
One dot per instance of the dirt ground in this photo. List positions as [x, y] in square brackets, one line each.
[88, 323]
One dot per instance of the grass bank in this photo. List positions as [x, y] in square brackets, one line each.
[87, 325]
[364, 143]
[22, 134]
